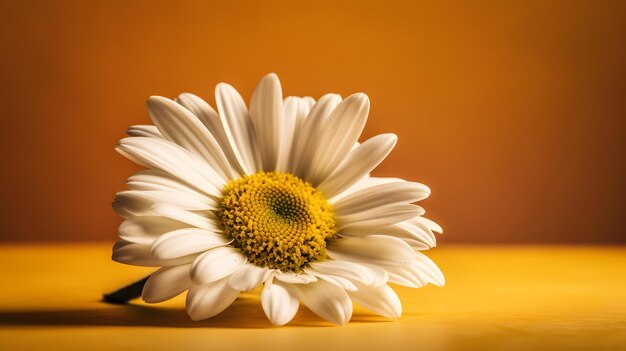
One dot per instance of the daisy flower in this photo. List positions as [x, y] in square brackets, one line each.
[278, 195]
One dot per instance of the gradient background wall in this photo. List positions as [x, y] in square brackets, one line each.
[514, 112]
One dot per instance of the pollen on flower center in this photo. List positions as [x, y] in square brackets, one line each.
[277, 220]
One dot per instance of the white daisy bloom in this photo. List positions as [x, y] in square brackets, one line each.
[277, 195]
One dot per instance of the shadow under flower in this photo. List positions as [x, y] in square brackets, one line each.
[243, 313]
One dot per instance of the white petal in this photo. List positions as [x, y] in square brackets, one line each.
[166, 283]
[341, 282]
[310, 101]
[133, 253]
[182, 215]
[412, 234]
[418, 245]
[295, 110]
[216, 264]
[211, 120]
[430, 224]
[308, 135]
[154, 179]
[374, 249]
[378, 217]
[381, 195]
[293, 278]
[417, 274]
[171, 158]
[140, 255]
[186, 241]
[326, 300]
[138, 203]
[407, 275]
[182, 127]
[363, 183]
[205, 301]
[279, 304]
[419, 232]
[248, 277]
[266, 113]
[144, 131]
[421, 229]
[430, 269]
[340, 132]
[146, 229]
[238, 126]
[381, 300]
[359, 163]
[365, 273]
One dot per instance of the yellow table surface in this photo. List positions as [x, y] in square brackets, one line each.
[496, 298]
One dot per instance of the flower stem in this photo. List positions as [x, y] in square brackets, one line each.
[126, 293]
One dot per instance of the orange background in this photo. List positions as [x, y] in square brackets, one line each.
[513, 113]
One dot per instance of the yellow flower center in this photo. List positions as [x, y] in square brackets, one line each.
[277, 220]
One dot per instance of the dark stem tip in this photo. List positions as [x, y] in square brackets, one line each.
[123, 295]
